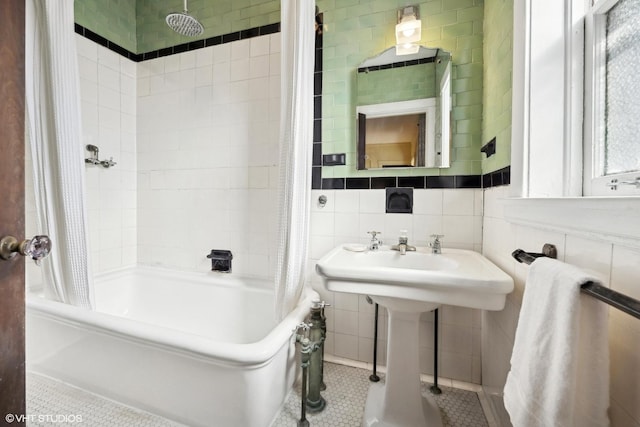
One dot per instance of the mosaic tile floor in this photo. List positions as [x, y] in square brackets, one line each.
[52, 403]
[345, 395]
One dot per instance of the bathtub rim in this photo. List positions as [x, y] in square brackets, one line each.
[253, 354]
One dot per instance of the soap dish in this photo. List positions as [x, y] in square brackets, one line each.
[355, 247]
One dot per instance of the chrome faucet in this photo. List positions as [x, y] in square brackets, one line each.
[402, 245]
[375, 243]
[436, 245]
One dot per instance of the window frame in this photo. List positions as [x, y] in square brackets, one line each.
[595, 182]
[564, 205]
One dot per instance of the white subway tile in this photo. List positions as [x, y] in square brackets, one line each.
[427, 202]
[204, 57]
[372, 201]
[109, 98]
[347, 225]
[259, 94]
[346, 301]
[222, 53]
[259, 46]
[239, 70]
[204, 77]
[345, 346]
[240, 49]
[275, 64]
[319, 246]
[275, 42]
[322, 224]
[88, 92]
[458, 202]
[187, 59]
[88, 69]
[345, 322]
[347, 201]
[458, 229]
[128, 67]
[86, 48]
[171, 64]
[108, 58]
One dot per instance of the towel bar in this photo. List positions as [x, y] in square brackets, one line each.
[615, 299]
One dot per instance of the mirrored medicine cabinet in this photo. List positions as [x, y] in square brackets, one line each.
[403, 109]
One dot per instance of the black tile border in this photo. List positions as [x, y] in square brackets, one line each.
[491, 179]
[184, 47]
[96, 38]
[417, 182]
[317, 182]
[497, 178]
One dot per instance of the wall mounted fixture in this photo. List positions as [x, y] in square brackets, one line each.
[94, 160]
[220, 260]
[408, 30]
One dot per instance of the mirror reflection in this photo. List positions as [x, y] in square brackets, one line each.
[403, 110]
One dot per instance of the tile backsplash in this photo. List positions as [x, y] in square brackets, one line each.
[616, 266]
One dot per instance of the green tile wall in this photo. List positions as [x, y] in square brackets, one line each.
[139, 26]
[217, 16]
[114, 20]
[358, 29]
[498, 67]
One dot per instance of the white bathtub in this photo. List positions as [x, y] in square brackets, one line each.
[200, 349]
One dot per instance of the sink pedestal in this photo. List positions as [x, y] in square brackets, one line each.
[398, 402]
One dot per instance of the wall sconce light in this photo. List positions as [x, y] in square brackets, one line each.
[408, 30]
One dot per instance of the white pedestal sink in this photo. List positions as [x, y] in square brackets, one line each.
[407, 285]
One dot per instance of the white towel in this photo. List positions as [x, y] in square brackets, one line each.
[560, 363]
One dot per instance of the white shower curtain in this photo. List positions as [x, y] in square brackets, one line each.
[296, 137]
[54, 132]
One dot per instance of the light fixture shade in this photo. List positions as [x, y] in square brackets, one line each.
[409, 30]
[407, 49]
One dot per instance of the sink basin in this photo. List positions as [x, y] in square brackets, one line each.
[408, 285]
[454, 277]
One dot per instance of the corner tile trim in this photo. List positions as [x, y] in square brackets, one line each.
[198, 44]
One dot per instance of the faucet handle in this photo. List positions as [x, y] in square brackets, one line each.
[437, 237]
[373, 233]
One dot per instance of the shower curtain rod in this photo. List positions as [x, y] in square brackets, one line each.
[620, 301]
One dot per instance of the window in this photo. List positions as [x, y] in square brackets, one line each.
[560, 121]
[612, 89]
[576, 91]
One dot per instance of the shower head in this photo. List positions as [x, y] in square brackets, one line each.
[185, 24]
